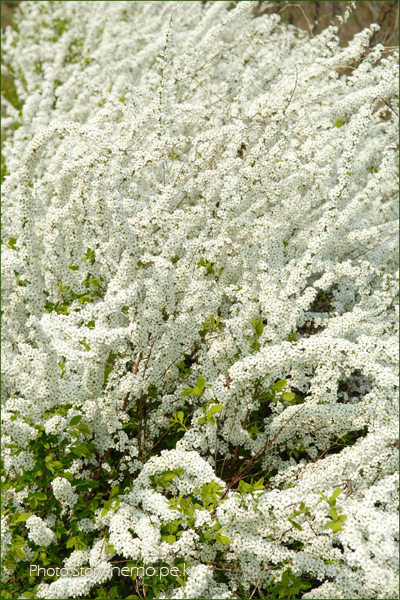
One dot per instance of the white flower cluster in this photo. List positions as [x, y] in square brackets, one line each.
[63, 491]
[196, 191]
[39, 533]
[5, 536]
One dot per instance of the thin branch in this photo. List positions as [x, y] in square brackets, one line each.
[304, 15]
[238, 476]
[135, 370]
[376, 245]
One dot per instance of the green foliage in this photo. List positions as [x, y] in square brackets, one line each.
[94, 289]
[11, 244]
[109, 366]
[303, 510]
[259, 328]
[165, 478]
[273, 394]
[210, 494]
[212, 325]
[289, 587]
[250, 488]
[53, 458]
[184, 367]
[89, 256]
[179, 420]
[334, 512]
[209, 410]
[197, 390]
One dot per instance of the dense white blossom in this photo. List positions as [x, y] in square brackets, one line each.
[194, 191]
[39, 532]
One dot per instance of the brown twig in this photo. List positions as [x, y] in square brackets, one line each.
[238, 476]
[97, 476]
[304, 15]
[135, 370]
[376, 246]
[238, 446]
[230, 432]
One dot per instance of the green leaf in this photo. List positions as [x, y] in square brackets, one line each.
[170, 539]
[340, 122]
[19, 518]
[334, 514]
[75, 420]
[83, 428]
[187, 392]
[180, 416]
[114, 491]
[33, 502]
[244, 488]
[285, 579]
[11, 244]
[342, 517]
[201, 421]
[17, 552]
[201, 383]
[222, 539]
[288, 396]
[215, 408]
[335, 494]
[279, 385]
[295, 524]
[336, 527]
[258, 326]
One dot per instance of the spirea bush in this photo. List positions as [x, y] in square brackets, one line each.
[199, 319]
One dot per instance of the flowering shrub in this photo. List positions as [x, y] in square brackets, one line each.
[199, 288]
